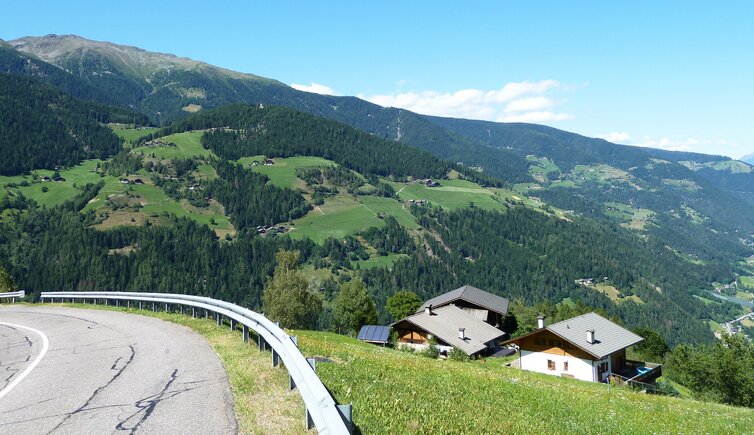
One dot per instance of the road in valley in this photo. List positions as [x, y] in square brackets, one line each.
[107, 372]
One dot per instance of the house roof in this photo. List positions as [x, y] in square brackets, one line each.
[608, 336]
[374, 333]
[444, 322]
[473, 295]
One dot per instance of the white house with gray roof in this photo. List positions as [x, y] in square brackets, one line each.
[587, 347]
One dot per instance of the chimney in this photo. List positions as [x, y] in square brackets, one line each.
[590, 336]
[540, 321]
[428, 309]
[462, 333]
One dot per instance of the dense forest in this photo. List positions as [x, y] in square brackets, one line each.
[43, 128]
[525, 254]
[250, 201]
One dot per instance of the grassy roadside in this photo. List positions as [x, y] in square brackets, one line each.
[262, 401]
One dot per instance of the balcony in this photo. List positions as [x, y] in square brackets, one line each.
[639, 371]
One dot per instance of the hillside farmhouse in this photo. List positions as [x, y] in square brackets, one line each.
[481, 304]
[466, 318]
[587, 347]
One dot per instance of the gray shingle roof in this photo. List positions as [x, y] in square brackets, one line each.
[473, 295]
[608, 336]
[444, 322]
[374, 333]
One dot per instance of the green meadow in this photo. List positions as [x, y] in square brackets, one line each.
[451, 194]
[399, 392]
[188, 145]
[338, 217]
[283, 172]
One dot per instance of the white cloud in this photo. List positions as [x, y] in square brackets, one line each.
[616, 137]
[669, 144]
[529, 104]
[316, 88]
[516, 101]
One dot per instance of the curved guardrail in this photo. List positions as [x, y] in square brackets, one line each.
[13, 295]
[321, 409]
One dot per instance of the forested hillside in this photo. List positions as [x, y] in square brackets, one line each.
[43, 128]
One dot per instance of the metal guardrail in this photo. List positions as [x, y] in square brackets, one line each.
[13, 295]
[321, 409]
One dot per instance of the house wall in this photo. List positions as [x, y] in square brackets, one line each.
[579, 368]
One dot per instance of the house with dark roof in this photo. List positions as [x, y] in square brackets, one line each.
[587, 347]
[452, 327]
[479, 303]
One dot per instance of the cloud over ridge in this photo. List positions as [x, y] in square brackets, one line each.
[514, 102]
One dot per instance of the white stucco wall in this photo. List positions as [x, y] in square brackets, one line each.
[579, 368]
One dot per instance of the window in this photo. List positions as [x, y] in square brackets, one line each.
[565, 366]
[550, 364]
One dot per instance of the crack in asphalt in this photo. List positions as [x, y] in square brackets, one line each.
[26, 406]
[148, 404]
[85, 406]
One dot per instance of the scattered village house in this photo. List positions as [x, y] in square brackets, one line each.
[466, 318]
[587, 347]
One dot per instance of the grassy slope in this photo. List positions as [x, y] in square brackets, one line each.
[188, 145]
[283, 172]
[338, 217]
[452, 194]
[129, 134]
[58, 192]
[395, 392]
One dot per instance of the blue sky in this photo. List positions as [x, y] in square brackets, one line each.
[675, 75]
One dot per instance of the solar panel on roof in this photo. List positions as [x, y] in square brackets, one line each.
[374, 333]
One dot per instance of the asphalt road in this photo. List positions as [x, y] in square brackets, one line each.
[107, 372]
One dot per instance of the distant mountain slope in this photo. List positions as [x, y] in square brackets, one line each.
[43, 128]
[166, 88]
[693, 198]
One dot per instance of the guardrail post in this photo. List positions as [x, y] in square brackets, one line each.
[346, 411]
[128, 304]
[140, 305]
[167, 308]
[154, 308]
[193, 313]
[12, 300]
[181, 307]
[261, 342]
[206, 314]
[309, 421]
[275, 358]
[232, 325]
[219, 319]
[245, 334]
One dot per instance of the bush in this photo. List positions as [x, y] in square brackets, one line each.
[458, 355]
[432, 351]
